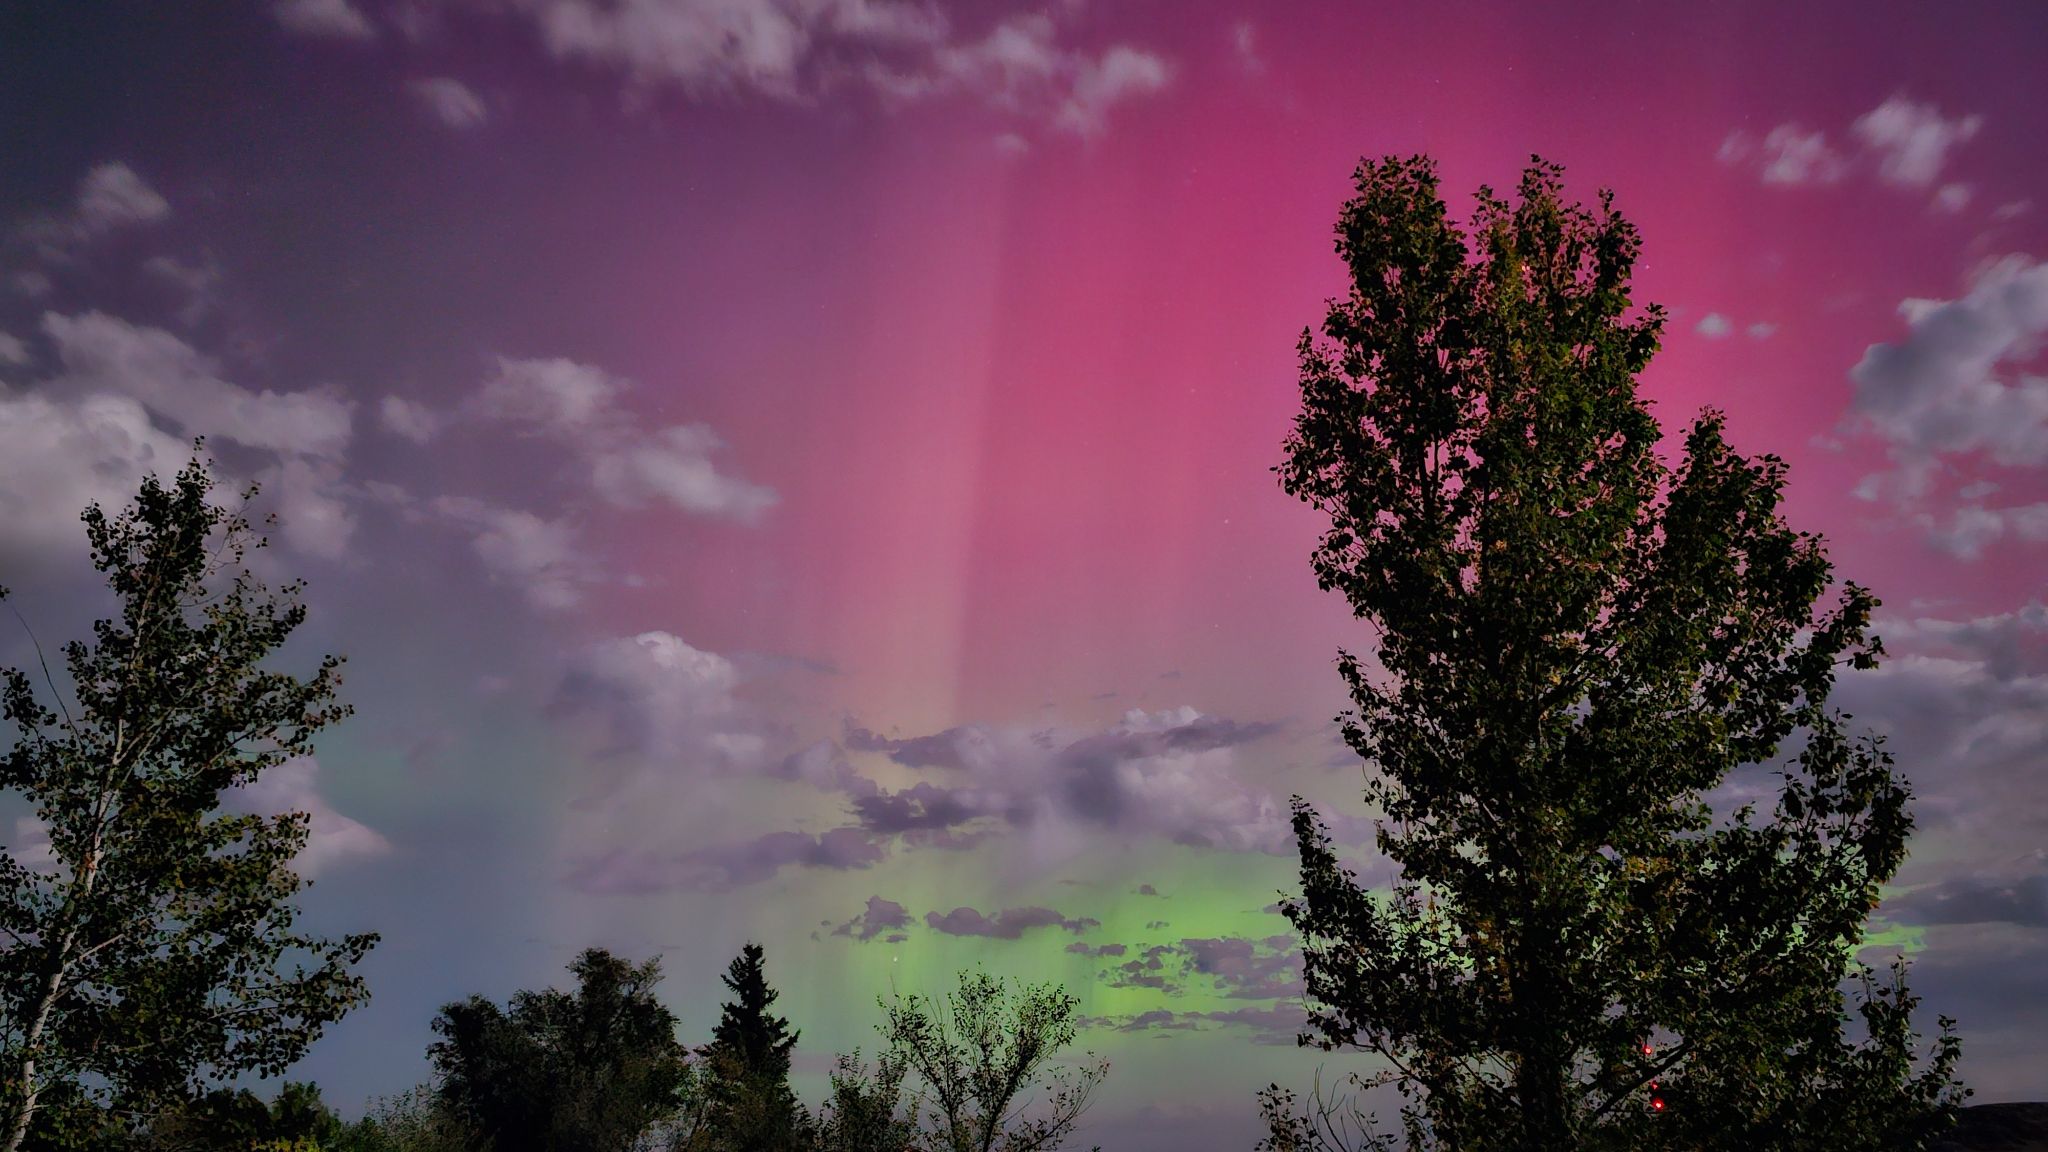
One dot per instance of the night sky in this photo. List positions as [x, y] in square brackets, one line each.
[797, 470]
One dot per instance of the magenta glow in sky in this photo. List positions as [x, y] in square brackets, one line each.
[797, 469]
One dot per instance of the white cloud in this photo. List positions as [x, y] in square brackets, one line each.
[127, 401]
[110, 198]
[1973, 528]
[1101, 84]
[674, 466]
[1913, 140]
[311, 513]
[62, 455]
[542, 558]
[630, 467]
[550, 395]
[12, 350]
[113, 196]
[1788, 154]
[1713, 326]
[804, 49]
[408, 419]
[1942, 389]
[332, 838]
[1761, 330]
[101, 353]
[1952, 198]
[451, 102]
[332, 19]
[657, 699]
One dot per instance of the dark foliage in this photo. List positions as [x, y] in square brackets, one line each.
[1576, 645]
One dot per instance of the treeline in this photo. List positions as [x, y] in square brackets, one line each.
[602, 1069]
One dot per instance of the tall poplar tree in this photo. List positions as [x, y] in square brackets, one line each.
[1577, 643]
[151, 947]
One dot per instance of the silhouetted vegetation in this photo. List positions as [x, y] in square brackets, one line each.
[147, 953]
[1580, 644]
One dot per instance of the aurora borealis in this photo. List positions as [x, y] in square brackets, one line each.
[797, 470]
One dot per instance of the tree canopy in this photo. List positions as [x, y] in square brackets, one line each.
[595, 1071]
[1577, 644]
[153, 949]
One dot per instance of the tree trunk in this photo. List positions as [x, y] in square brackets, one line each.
[32, 1038]
[46, 1001]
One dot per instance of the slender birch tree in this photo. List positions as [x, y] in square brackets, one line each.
[152, 945]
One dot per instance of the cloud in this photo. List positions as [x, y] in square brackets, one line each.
[760, 46]
[1945, 390]
[1101, 84]
[1963, 705]
[1952, 198]
[1913, 140]
[312, 515]
[543, 558]
[1248, 969]
[630, 467]
[1761, 330]
[725, 867]
[408, 419]
[93, 430]
[199, 284]
[557, 395]
[1149, 969]
[1244, 42]
[804, 50]
[880, 917]
[330, 19]
[1172, 774]
[655, 697]
[1083, 948]
[1910, 143]
[62, 456]
[31, 847]
[673, 466]
[1990, 896]
[175, 381]
[451, 102]
[1972, 528]
[111, 197]
[1788, 154]
[1713, 326]
[332, 838]
[12, 350]
[1009, 924]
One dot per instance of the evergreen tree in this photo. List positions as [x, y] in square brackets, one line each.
[1578, 644]
[746, 1028]
[147, 953]
[750, 1107]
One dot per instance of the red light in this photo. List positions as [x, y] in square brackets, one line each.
[1646, 1049]
[1657, 1105]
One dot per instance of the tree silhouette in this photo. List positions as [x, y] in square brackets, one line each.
[553, 1072]
[145, 952]
[1577, 645]
[749, 1105]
